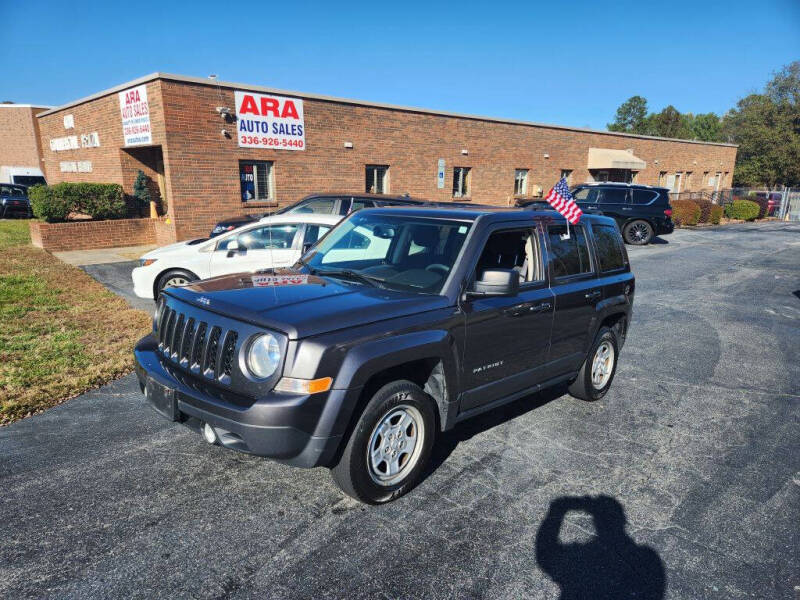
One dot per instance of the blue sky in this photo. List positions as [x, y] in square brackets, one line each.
[568, 63]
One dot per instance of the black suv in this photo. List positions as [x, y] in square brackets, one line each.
[362, 353]
[14, 201]
[329, 204]
[641, 211]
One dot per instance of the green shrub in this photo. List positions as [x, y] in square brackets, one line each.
[763, 205]
[705, 210]
[103, 201]
[716, 214]
[98, 200]
[46, 205]
[685, 212]
[742, 209]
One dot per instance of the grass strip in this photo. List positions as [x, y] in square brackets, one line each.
[61, 332]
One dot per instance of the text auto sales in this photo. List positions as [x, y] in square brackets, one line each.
[270, 121]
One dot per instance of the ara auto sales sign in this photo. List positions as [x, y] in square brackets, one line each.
[135, 113]
[267, 121]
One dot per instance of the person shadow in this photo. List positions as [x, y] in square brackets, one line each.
[609, 565]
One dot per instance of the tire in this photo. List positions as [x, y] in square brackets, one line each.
[173, 277]
[587, 387]
[395, 413]
[638, 233]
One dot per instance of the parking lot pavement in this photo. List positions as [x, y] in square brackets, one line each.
[683, 482]
[116, 276]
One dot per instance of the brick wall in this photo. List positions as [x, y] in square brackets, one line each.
[19, 136]
[201, 166]
[86, 235]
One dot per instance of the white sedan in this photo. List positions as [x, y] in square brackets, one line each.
[276, 241]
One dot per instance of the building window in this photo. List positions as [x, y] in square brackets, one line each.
[662, 178]
[520, 182]
[256, 180]
[688, 182]
[377, 179]
[566, 174]
[705, 178]
[461, 182]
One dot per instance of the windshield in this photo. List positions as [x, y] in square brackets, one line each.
[395, 252]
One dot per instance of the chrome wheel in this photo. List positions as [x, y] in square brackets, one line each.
[602, 365]
[640, 232]
[175, 280]
[395, 445]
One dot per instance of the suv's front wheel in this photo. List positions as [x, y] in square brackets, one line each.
[598, 369]
[390, 445]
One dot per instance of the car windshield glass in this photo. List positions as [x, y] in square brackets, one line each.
[398, 252]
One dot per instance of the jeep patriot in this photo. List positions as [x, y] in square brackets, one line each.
[394, 327]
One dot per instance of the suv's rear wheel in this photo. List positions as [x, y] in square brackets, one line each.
[598, 369]
[638, 233]
[390, 445]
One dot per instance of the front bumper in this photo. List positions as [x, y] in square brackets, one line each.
[143, 280]
[285, 427]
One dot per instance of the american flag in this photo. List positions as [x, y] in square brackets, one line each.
[560, 199]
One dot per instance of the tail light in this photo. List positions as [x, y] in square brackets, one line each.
[668, 212]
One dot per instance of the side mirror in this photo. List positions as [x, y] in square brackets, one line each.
[496, 282]
[233, 248]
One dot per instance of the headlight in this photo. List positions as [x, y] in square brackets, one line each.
[263, 356]
[146, 262]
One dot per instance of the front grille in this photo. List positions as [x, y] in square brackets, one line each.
[227, 353]
[197, 345]
[197, 353]
[210, 367]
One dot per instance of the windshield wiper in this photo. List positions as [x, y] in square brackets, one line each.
[369, 279]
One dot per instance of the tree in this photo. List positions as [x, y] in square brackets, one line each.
[631, 115]
[769, 143]
[785, 85]
[669, 123]
[767, 129]
[142, 192]
[706, 127]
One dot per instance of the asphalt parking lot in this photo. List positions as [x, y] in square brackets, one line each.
[683, 482]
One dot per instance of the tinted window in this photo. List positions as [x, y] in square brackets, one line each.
[612, 196]
[568, 256]
[610, 254]
[274, 237]
[10, 190]
[359, 203]
[644, 196]
[585, 195]
[517, 249]
[314, 232]
[323, 206]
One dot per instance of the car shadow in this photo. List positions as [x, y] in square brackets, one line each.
[447, 441]
[609, 565]
[659, 241]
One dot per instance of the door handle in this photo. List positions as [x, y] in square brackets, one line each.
[517, 311]
[592, 295]
[541, 307]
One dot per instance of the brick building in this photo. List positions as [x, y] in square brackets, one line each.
[20, 139]
[215, 149]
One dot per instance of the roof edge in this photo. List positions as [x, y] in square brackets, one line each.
[16, 105]
[338, 100]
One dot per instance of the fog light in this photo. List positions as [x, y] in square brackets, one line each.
[209, 434]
